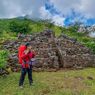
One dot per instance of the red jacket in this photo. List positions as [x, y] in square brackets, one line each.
[26, 59]
[21, 49]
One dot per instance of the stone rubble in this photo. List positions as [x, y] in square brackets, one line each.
[42, 44]
[51, 53]
[75, 54]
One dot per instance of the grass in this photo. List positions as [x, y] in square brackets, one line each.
[71, 82]
[8, 36]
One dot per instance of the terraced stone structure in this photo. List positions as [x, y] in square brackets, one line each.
[74, 54]
[51, 53]
[44, 46]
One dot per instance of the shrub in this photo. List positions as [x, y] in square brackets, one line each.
[19, 26]
[91, 45]
[3, 58]
[86, 39]
[73, 28]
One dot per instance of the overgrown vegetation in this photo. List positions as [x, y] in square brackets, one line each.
[3, 58]
[20, 27]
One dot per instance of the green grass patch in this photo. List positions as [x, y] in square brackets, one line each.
[71, 82]
[3, 58]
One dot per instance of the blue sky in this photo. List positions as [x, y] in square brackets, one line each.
[61, 12]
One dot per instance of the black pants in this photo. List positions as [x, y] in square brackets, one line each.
[23, 73]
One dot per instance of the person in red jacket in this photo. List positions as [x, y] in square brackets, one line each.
[26, 64]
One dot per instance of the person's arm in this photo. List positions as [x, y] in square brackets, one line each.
[25, 54]
[32, 54]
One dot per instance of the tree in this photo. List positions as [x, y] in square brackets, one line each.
[20, 26]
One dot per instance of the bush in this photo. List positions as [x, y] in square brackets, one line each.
[19, 26]
[86, 39]
[3, 58]
[91, 45]
[73, 28]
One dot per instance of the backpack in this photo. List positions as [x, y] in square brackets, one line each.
[21, 49]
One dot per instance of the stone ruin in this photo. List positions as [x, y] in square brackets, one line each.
[74, 54]
[52, 53]
[44, 46]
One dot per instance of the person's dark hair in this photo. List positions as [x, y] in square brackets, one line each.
[27, 44]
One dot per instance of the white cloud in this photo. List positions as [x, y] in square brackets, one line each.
[85, 7]
[45, 14]
[56, 19]
[14, 8]
[65, 6]
[88, 8]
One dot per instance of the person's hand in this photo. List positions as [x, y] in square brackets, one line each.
[26, 51]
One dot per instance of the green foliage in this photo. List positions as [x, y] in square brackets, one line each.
[4, 25]
[20, 26]
[91, 45]
[48, 24]
[73, 28]
[8, 35]
[57, 30]
[84, 39]
[3, 58]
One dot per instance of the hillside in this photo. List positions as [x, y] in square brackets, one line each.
[35, 26]
[39, 26]
[55, 54]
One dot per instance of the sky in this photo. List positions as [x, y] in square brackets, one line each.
[61, 12]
